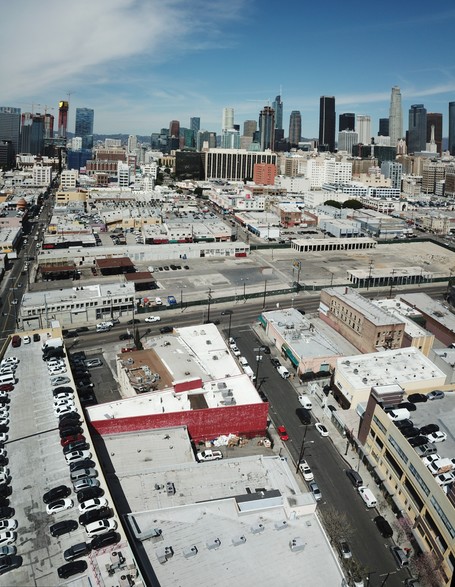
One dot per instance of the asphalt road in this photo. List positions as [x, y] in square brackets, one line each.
[328, 467]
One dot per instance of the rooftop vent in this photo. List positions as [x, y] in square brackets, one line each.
[296, 544]
[164, 553]
[238, 540]
[281, 525]
[257, 528]
[190, 552]
[213, 543]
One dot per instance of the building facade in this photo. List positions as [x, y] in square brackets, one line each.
[346, 121]
[395, 117]
[327, 123]
[295, 128]
[84, 126]
[417, 129]
[267, 128]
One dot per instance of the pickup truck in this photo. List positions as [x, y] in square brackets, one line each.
[209, 455]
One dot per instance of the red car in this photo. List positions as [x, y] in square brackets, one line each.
[6, 387]
[74, 438]
[283, 433]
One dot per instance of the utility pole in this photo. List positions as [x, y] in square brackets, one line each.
[369, 273]
[209, 300]
[265, 293]
[302, 449]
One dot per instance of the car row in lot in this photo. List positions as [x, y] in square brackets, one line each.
[94, 513]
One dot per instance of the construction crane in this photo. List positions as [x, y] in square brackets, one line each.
[45, 106]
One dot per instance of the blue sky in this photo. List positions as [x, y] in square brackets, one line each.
[142, 63]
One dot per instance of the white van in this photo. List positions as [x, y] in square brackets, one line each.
[249, 371]
[283, 372]
[243, 361]
[7, 378]
[368, 496]
[399, 414]
[103, 326]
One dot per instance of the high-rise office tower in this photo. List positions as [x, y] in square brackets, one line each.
[277, 105]
[174, 129]
[230, 138]
[395, 117]
[327, 123]
[452, 128]
[32, 131]
[63, 107]
[267, 127]
[434, 119]
[84, 126]
[195, 124]
[228, 118]
[295, 128]
[383, 127]
[10, 126]
[249, 128]
[48, 126]
[417, 133]
[346, 121]
[346, 140]
[363, 128]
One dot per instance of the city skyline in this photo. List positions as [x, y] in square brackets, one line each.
[223, 56]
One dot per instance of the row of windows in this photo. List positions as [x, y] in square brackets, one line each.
[443, 517]
[419, 479]
[62, 308]
[398, 449]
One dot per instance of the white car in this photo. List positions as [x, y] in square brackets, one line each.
[26, 339]
[55, 363]
[100, 527]
[8, 360]
[158, 302]
[4, 471]
[93, 504]
[8, 366]
[4, 421]
[153, 319]
[62, 410]
[63, 396]
[8, 525]
[7, 538]
[437, 436]
[305, 401]
[3, 437]
[430, 459]
[57, 370]
[59, 380]
[306, 471]
[60, 505]
[445, 479]
[62, 403]
[236, 351]
[78, 455]
[321, 429]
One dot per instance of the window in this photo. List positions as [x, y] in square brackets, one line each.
[419, 479]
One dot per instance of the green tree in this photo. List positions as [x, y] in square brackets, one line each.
[198, 192]
[352, 204]
[333, 203]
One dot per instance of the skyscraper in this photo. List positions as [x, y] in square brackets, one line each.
[383, 127]
[249, 128]
[174, 129]
[195, 124]
[84, 126]
[327, 123]
[417, 133]
[452, 128]
[395, 117]
[363, 128]
[295, 128]
[267, 127]
[10, 126]
[63, 107]
[346, 140]
[434, 119]
[228, 118]
[346, 121]
[277, 105]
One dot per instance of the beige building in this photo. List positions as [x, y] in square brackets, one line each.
[425, 507]
[361, 322]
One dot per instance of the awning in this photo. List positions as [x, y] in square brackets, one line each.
[287, 351]
[262, 320]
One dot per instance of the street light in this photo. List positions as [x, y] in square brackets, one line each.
[229, 313]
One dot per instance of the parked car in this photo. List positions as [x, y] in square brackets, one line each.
[305, 401]
[105, 540]
[153, 319]
[314, 488]
[89, 493]
[306, 470]
[8, 563]
[6, 512]
[275, 362]
[81, 464]
[7, 538]
[77, 455]
[70, 569]
[416, 398]
[437, 436]
[344, 549]
[85, 483]
[383, 526]
[93, 504]
[418, 440]
[429, 428]
[60, 505]
[63, 527]
[321, 429]
[303, 415]
[126, 336]
[90, 363]
[100, 527]
[77, 550]
[436, 394]
[95, 515]
[283, 433]
[78, 445]
[59, 492]
[166, 329]
[8, 525]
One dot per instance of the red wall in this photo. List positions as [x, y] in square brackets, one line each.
[247, 420]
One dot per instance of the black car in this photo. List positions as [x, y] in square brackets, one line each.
[407, 406]
[88, 400]
[77, 445]
[3, 460]
[125, 336]
[59, 492]
[80, 374]
[84, 464]
[105, 540]
[89, 493]
[102, 513]
[332, 408]
[216, 322]
[410, 432]
[134, 321]
[8, 563]
[4, 501]
[416, 398]
[429, 428]
[275, 362]
[166, 329]
[67, 422]
[263, 397]
[36, 337]
[63, 527]
[71, 569]
[5, 490]
[79, 354]
[418, 440]
[62, 389]
[4, 400]
[303, 415]
[69, 416]
[383, 526]
[6, 512]
[400, 424]
[82, 329]
[4, 427]
[84, 384]
[70, 431]
[77, 550]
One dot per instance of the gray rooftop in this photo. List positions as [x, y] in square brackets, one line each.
[427, 305]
